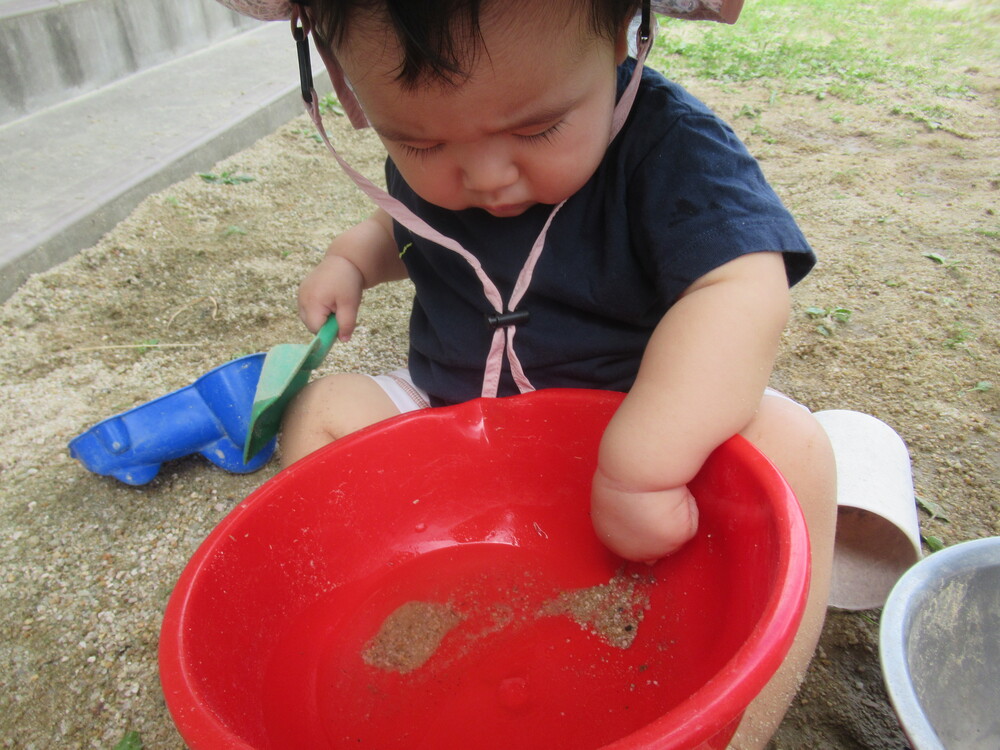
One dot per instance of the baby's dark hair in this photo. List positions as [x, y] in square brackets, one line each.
[438, 37]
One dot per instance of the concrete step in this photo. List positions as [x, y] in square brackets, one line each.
[55, 50]
[71, 172]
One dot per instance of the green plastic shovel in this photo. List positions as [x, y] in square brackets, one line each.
[284, 373]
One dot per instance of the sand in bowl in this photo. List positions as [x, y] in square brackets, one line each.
[412, 633]
[409, 636]
[612, 611]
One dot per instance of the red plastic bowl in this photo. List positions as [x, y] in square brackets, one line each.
[484, 506]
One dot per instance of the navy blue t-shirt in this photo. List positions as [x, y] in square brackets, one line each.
[676, 196]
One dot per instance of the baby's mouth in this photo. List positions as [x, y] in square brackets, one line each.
[506, 210]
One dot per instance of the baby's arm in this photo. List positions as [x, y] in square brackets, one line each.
[360, 258]
[701, 380]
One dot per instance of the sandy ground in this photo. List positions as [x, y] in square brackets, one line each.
[901, 212]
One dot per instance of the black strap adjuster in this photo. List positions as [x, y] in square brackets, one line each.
[512, 318]
[305, 64]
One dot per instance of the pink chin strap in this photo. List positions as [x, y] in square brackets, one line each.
[506, 315]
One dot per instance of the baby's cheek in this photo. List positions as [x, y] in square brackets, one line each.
[570, 173]
[435, 188]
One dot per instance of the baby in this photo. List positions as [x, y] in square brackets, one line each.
[546, 185]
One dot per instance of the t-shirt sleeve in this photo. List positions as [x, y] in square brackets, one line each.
[698, 199]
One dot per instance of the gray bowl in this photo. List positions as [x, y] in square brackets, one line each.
[940, 648]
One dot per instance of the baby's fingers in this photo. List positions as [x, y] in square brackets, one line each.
[314, 314]
[333, 287]
[314, 317]
[347, 318]
[643, 526]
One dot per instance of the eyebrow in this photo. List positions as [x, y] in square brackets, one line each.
[542, 116]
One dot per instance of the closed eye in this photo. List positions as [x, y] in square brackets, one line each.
[420, 152]
[545, 136]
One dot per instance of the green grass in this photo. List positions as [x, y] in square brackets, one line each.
[839, 48]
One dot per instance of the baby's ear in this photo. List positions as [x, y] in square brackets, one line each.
[621, 43]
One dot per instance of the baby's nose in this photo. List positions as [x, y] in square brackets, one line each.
[488, 169]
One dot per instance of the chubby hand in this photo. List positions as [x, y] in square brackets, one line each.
[642, 526]
[333, 286]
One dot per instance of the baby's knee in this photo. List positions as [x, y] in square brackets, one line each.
[343, 403]
[791, 433]
[796, 443]
[315, 402]
[330, 408]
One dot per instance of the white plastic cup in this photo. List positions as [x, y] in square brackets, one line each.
[878, 533]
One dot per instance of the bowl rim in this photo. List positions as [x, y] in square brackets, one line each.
[687, 724]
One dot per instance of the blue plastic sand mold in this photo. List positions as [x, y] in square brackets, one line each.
[210, 417]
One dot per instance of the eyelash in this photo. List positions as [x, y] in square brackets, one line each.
[545, 136]
[420, 153]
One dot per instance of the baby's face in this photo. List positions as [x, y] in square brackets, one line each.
[529, 126]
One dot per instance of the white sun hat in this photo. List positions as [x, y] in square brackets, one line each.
[726, 11]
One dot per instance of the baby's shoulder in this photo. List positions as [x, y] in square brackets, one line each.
[668, 123]
[662, 103]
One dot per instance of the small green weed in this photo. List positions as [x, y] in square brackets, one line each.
[931, 508]
[981, 387]
[911, 193]
[145, 346]
[828, 318]
[310, 134]
[959, 335]
[763, 133]
[932, 117]
[233, 229]
[131, 741]
[934, 543]
[226, 178]
[845, 177]
[942, 260]
[330, 105]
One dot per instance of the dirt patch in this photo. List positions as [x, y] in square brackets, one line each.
[902, 214]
